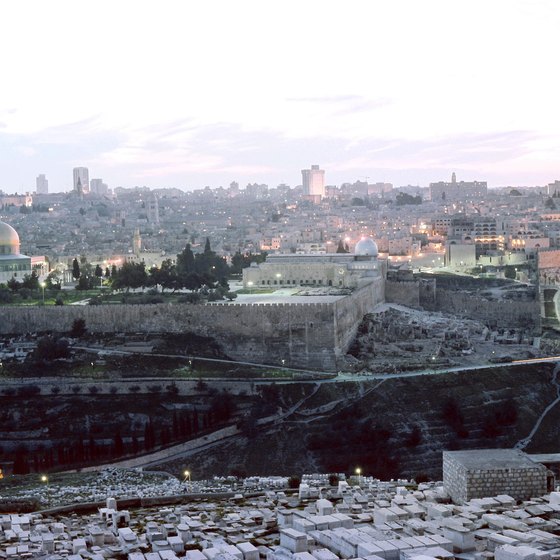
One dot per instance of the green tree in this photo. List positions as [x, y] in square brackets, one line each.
[31, 281]
[51, 348]
[75, 269]
[54, 281]
[207, 248]
[185, 261]
[79, 328]
[340, 248]
[131, 275]
[164, 276]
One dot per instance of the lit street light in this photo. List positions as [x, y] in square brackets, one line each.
[187, 479]
[43, 286]
[359, 473]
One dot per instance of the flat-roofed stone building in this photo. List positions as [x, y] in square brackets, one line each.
[341, 270]
[482, 473]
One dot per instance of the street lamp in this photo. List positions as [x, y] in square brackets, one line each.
[43, 286]
[44, 478]
[187, 478]
[250, 285]
[359, 473]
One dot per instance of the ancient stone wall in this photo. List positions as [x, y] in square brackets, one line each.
[300, 334]
[305, 335]
[500, 314]
[349, 312]
[403, 292]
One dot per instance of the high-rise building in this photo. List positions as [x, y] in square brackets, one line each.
[313, 183]
[153, 210]
[97, 186]
[42, 185]
[81, 180]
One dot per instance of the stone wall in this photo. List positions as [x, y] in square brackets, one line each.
[300, 334]
[500, 314]
[349, 312]
[304, 335]
[403, 292]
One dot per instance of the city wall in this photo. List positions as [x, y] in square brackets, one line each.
[302, 335]
[349, 312]
[498, 314]
[306, 335]
[403, 292]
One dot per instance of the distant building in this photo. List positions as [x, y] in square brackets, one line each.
[153, 210]
[12, 263]
[16, 200]
[553, 189]
[459, 254]
[313, 183]
[457, 191]
[81, 180]
[97, 186]
[42, 185]
[343, 270]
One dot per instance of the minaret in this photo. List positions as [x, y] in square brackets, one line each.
[453, 178]
[136, 242]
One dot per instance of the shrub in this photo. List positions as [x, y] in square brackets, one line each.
[294, 481]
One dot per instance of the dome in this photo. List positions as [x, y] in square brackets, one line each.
[9, 240]
[366, 247]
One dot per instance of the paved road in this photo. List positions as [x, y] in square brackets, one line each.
[325, 376]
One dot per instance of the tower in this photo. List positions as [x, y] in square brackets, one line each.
[81, 177]
[153, 210]
[313, 183]
[453, 178]
[136, 242]
[42, 184]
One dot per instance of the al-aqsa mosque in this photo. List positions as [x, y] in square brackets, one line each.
[341, 270]
[12, 263]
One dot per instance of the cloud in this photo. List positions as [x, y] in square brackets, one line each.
[344, 104]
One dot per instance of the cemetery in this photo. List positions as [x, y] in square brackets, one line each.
[138, 516]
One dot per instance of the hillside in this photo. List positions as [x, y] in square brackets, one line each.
[388, 427]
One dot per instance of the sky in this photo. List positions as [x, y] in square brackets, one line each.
[190, 93]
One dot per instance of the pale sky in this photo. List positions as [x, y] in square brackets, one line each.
[192, 93]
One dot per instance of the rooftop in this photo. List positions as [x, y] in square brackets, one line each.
[492, 459]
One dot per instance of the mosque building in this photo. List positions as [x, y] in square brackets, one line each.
[341, 270]
[12, 263]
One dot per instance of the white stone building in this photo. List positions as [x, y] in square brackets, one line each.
[343, 270]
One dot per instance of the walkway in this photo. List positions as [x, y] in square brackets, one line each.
[522, 444]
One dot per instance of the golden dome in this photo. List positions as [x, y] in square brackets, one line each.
[9, 240]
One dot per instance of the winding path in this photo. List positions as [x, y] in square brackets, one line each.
[523, 443]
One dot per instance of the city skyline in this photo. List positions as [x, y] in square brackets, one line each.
[195, 95]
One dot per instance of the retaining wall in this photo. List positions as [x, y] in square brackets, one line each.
[501, 314]
[306, 335]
